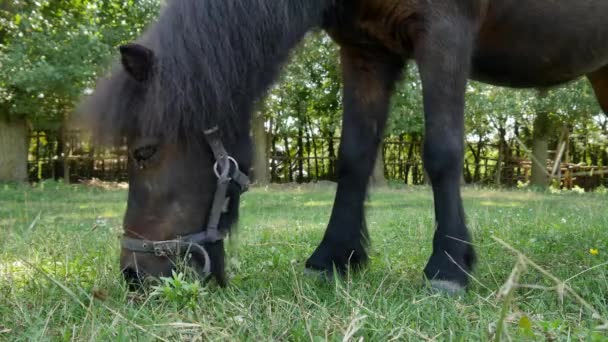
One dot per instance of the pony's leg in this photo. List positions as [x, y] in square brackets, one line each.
[369, 78]
[599, 82]
[443, 56]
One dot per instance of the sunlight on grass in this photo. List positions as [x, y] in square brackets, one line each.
[318, 204]
[501, 204]
[15, 272]
[521, 196]
[18, 273]
[110, 213]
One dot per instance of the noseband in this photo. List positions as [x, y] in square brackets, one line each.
[193, 242]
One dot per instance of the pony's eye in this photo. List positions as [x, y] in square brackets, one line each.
[144, 153]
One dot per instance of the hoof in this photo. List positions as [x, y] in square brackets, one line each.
[319, 275]
[450, 288]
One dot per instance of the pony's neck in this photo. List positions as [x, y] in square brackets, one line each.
[223, 55]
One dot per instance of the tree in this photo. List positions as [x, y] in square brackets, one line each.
[406, 122]
[378, 179]
[304, 105]
[261, 171]
[570, 105]
[13, 131]
[540, 143]
[50, 52]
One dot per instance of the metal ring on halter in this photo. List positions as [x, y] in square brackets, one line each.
[203, 252]
[226, 169]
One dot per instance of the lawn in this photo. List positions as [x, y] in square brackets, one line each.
[59, 272]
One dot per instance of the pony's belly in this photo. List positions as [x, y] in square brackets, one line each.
[522, 71]
[523, 64]
[540, 43]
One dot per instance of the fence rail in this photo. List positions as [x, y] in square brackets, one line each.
[72, 157]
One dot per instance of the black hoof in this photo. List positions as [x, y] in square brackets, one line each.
[329, 260]
[323, 276]
[450, 273]
[450, 288]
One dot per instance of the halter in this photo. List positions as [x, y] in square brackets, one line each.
[193, 242]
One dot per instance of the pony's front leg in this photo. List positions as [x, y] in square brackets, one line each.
[369, 79]
[443, 55]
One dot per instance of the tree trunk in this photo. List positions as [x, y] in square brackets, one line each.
[308, 151]
[91, 163]
[594, 156]
[314, 148]
[300, 155]
[39, 165]
[485, 168]
[332, 156]
[426, 180]
[517, 148]
[378, 178]
[409, 164]
[65, 153]
[477, 176]
[574, 153]
[261, 173]
[51, 152]
[400, 166]
[57, 159]
[287, 162]
[273, 151]
[501, 156]
[14, 143]
[540, 145]
[468, 176]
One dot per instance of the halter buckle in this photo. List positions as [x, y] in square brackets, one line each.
[159, 250]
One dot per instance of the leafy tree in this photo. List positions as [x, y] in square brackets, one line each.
[50, 52]
[306, 104]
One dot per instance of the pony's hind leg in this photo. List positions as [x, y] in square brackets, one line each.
[369, 79]
[599, 82]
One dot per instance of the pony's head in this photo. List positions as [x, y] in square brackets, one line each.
[182, 98]
[185, 178]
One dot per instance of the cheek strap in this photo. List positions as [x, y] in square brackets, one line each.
[181, 246]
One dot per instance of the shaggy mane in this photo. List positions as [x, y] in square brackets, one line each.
[214, 60]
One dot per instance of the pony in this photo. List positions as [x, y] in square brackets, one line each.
[183, 93]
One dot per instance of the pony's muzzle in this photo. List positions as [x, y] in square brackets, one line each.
[138, 268]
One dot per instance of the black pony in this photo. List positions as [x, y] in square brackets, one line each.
[204, 63]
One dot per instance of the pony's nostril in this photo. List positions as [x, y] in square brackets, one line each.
[132, 277]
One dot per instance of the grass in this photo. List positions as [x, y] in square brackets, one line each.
[59, 273]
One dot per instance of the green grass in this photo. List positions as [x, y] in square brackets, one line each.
[74, 292]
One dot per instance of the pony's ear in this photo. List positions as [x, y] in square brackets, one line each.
[137, 60]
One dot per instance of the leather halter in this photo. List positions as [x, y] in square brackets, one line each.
[193, 242]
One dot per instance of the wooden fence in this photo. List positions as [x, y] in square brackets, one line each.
[71, 156]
